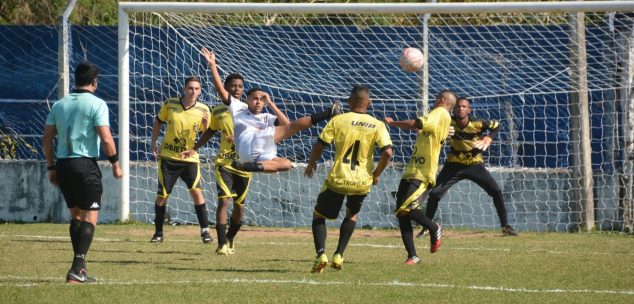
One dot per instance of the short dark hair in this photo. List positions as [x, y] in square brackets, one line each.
[85, 74]
[355, 94]
[462, 98]
[444, 93]
[254, 90]
[232, 77]
[192, 78]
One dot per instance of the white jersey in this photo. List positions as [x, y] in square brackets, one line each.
[254, 134]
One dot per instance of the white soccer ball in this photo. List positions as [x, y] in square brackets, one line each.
[412, 60]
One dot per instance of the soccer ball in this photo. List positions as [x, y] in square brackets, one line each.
[412, 60]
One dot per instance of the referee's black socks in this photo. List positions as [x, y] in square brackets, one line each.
[85, 233]
[73, 229]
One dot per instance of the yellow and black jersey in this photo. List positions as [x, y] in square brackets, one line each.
[222, 121]
[423, 164]
[354, 135]
[182, 125]
[462, 143]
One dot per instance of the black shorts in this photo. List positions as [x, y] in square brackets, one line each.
[80, 182]
[329, 203]
[409, 190]
[230, 184]
[170, 170]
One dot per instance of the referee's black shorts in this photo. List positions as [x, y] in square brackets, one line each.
[80, 182]
[170, 170]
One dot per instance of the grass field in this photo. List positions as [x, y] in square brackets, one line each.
[273, 266]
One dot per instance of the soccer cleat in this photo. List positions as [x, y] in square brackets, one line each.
[435, 241]
[337, 261]
[509, 231]
[157, 238]
[237, 165]
[79, 278]
[423, 232]
[231, 248]
[336, 109]
[412, 260]
[222, 250]
[206, 238]
[320, 263]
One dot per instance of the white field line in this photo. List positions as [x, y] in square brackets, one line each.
[25, 236]
[18, 281]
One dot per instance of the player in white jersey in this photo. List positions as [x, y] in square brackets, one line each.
[256, 133]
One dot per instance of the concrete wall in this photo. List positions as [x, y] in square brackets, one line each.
[536, 200]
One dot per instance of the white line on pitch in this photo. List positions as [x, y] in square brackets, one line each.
[20, 282]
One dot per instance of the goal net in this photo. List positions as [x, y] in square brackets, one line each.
[525, 70]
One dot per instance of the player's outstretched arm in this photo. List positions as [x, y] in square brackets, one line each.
[404, 124]
[315, 154]
[282, 119]
[386, 156]
[210, 57]
[201, 142]
[47, 145]
[110, 149]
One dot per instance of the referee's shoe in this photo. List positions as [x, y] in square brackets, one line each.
[78, 278]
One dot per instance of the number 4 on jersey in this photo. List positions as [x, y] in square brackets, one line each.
[354, 150]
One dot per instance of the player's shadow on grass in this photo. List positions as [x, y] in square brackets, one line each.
[125, 262]
[287, 260]
[235, 270]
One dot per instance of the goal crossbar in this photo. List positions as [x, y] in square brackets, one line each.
[380, 8]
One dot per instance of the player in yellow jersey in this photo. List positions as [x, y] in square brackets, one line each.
[231, 183]
[466, 162]
[420, 172]
[354, 135]
[184, 118]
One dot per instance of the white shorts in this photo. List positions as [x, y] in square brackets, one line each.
[257, 146]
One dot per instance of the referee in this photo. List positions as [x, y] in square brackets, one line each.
[79, 121]
[466, 162]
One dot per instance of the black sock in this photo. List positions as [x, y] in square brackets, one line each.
[221, 231]
[432, 206]
[159, 218]
[321, 116]
[319, 235]
[233, 229]
[345, 233]
[407, 234]
[418, 216]
[201, 214]
[85, 233]
[72, 230]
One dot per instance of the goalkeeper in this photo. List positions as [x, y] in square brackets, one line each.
[465, 161]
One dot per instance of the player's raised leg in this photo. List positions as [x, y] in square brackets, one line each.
[284, 132]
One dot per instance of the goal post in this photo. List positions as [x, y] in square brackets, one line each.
[512, 59]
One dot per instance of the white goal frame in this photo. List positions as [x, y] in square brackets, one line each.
[343, 8]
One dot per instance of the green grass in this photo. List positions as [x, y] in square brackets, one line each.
[273, 266]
